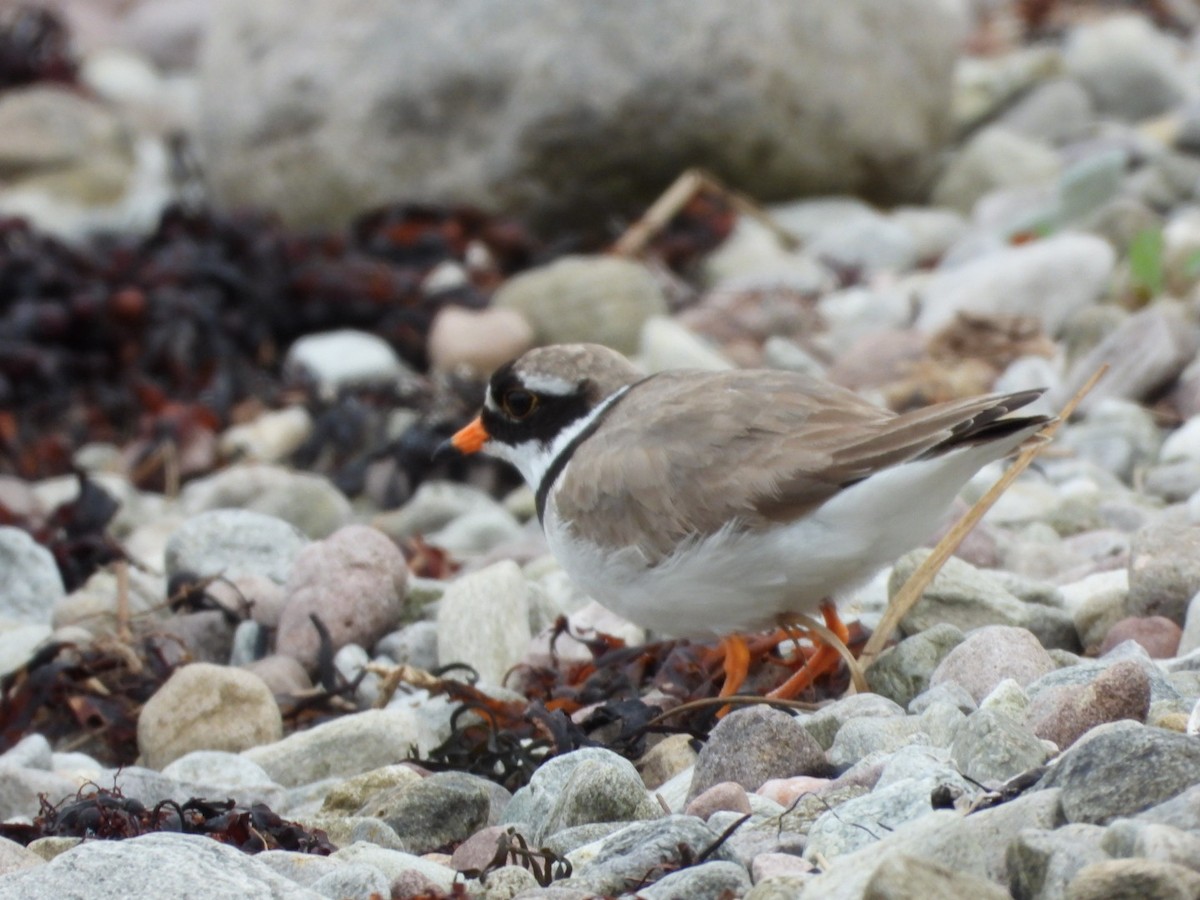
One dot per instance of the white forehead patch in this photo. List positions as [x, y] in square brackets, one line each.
[553, 385]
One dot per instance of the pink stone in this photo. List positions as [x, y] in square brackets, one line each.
[785, 791]
[1157, 634]
[727, 796]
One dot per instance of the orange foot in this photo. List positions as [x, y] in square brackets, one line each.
[824, 662]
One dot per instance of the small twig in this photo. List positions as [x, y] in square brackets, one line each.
[908, 595]
[676, 197]
[830, 639]
[124, 633]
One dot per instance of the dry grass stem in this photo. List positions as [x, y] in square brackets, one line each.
[908, 595]
[669, 204]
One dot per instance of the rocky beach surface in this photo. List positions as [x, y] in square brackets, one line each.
[254, 642]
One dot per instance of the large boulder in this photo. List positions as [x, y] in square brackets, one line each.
[570, 110]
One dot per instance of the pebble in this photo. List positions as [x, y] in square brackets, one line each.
[270, 438]
[563, 788]
[1164, 567]
[32, 583]
[339, 359]
[707, 881]
[645, 850]
[1065, 713]
[1158, 635]
[483, 621]
[309, 502]
[903, 672]
[601, 299]
[353, 581]
[429, 813]
[344, 747]
[1049, 279]
[991, 654]
[750, 746]
[1098, 784]
[233, 543]
[1126, 66]
[207, 707]
[476, 342]
[160, 864]
[1140, 878]
[1043, 862]
[994, 158]
[992, 747]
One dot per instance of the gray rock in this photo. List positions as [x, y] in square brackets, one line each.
[602, 299]
[643, 851]
[32, 583]
[752, 745]
[1144, 879]
[534, 804]
[1056, 111]
[14, 857]
[599, 790]
[20, 787]
[433, 812]
[309, 502]
[302, 868]
[992, 159]
[396, 865]
[483, 621]
[434, 506]
[867, 244]
[414, 645]
[975, 845]
[1119, 437]
[505, 883]
[344, 747]
[907, 878]
[552, 120]
[707, 881]
[353, 880]
[232, 543]
[1145, 353]
[207, 635]
[949, 693]
[992, 747]
[190, 867]
[825, 723]
[991, 654]
[1050, 279]
[571, 839]
[218, 767]
[903, 671]
[32, 751]
[207, 707]
[859, 738]
[1152, 840]
[1126, 66]
[346, 830]
[1164, 567]
[866, 820]
[1041, 863]
[969, 598]
[93, 605]
[1098, 783]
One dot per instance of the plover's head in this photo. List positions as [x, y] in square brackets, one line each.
[539, 402]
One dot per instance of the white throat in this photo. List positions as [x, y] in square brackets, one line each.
[533, 459]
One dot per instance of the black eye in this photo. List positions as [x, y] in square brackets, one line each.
[518, 403]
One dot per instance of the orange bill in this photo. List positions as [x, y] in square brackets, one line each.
[471, 437]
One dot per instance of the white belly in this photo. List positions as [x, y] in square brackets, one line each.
[744, 581]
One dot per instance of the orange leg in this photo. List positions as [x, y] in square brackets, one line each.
[823, 662]
[736, 663]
